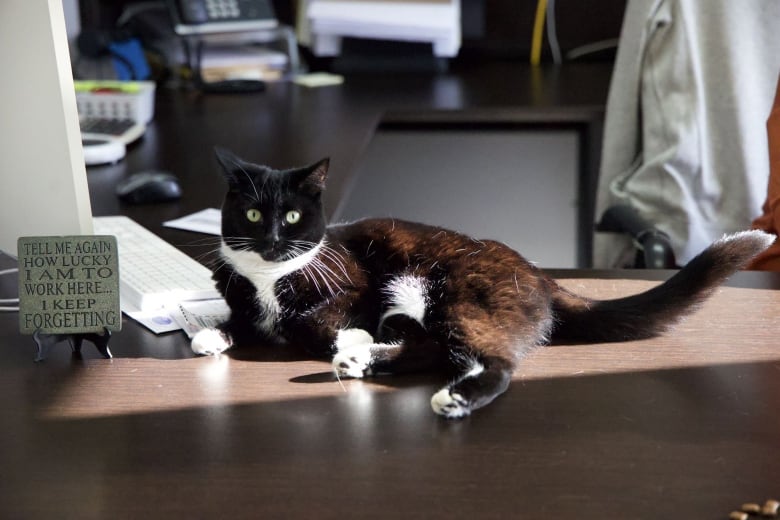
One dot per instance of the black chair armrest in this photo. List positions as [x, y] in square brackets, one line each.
[654, 249]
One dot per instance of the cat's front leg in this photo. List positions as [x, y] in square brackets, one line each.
[234, 331]
[210, 342]
[402, 346]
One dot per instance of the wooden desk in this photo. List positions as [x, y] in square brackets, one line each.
[684, 426]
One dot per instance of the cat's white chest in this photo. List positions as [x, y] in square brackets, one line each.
[268, 301]
[264, 275]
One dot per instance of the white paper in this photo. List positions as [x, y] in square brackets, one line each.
[208, 221]
[189, 316]
[216, 56]
[157, 320]
[318, 79]
[193, 316]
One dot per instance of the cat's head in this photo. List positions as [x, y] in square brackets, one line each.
[275, 213]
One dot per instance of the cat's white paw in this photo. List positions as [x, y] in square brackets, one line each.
[209, 342]
[353, 361]
[346, 338]
[450, 405]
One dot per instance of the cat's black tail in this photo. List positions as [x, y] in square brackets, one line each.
[648, 314]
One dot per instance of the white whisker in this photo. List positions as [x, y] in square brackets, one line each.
[316, 266]
[312, 278]
[338, 378]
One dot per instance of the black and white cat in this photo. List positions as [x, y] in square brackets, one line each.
[387, 296]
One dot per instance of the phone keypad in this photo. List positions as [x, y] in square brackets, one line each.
[223, 9]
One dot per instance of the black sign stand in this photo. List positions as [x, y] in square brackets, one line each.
[45, 342]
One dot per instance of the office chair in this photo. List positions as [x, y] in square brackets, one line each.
[653, 247]
[684, 145]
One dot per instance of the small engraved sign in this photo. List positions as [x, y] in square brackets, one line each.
[68, 284]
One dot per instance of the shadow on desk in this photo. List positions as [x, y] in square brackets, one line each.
[595, 446]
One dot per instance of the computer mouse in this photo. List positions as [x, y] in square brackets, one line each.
[148, 187]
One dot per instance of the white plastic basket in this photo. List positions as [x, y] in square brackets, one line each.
[116, 99]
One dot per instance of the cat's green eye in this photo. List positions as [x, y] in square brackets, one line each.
[293, 217]
[254, 215]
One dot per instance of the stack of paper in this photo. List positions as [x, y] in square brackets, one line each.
[224, 62]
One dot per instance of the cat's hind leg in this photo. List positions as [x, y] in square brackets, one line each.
[491, 316]
[481, 381]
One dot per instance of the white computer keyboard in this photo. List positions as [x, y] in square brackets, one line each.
[152, 272]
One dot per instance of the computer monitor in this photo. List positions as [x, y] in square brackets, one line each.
[44, 181]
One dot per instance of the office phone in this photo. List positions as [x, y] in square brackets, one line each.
[196, 12]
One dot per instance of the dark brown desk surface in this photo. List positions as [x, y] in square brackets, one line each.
[684, 426]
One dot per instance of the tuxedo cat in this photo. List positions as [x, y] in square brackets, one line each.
[387, 296]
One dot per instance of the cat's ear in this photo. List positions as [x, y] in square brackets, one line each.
[230, 163]
[312, 178]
